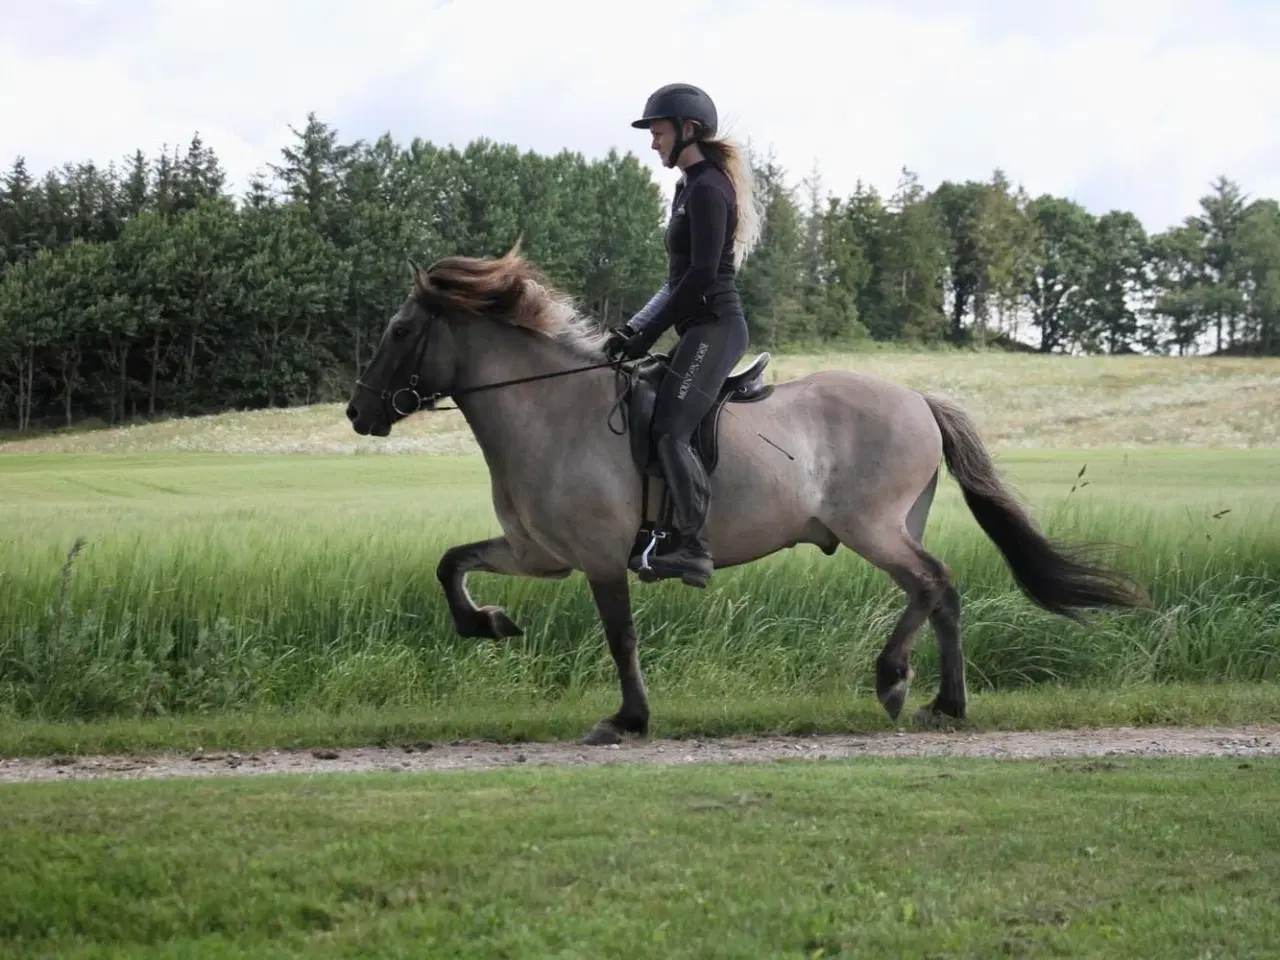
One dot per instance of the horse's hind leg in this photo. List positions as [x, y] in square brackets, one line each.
[952, 696]
[487, 556]
[918, 515]
[945, 618]
[927, 583]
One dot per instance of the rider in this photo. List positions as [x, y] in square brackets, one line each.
[714, 224]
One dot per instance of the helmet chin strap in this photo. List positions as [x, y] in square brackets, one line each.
[681, 142]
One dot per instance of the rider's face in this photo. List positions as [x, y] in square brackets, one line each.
[664, 139]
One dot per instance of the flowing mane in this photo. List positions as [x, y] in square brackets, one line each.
[509, 289]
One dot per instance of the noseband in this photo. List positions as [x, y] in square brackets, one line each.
[389, 397]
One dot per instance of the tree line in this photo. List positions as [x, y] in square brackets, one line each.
[146, 288]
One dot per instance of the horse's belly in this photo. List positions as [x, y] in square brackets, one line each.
[766, 492]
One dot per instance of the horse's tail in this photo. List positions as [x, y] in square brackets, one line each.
[1054, 576]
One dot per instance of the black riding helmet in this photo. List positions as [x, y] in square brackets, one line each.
[679, 102]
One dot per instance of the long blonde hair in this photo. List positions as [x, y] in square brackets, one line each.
[732, 159]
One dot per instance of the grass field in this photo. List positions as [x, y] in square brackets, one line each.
[920, 858]
[208, 583]
[211, 582]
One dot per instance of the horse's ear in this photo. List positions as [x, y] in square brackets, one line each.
[415, 272]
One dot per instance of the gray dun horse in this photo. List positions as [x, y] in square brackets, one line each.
[832, 458]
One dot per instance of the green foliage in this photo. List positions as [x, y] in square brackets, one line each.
[147, 290]
[153, 292]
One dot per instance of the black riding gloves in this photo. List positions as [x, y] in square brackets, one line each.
[626, 344]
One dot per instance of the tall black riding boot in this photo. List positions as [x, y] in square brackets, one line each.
[690, 495]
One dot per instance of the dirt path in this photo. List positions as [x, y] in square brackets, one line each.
[1247, 741]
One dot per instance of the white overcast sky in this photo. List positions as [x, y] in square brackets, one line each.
[1136, 104]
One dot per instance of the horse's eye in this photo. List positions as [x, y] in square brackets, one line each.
[399, 330]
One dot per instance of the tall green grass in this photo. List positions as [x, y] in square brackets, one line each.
[152, 585]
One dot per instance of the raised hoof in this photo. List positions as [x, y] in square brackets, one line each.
[892, 686]
[895, 698]
[491, 623]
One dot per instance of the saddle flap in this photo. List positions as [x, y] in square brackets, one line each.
[642, 396]
[745, 386]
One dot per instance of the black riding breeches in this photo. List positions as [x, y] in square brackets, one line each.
[700, 363]
[702, 360]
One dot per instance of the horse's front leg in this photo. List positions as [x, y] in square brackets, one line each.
[613, 601]
[488, 556]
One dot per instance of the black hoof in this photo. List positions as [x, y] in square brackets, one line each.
[613, 729]
[603, 734]
[892, 686]
[932, 719]
[939, 714]
[895, 699]
[491, 623]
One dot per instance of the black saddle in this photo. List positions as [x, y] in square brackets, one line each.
[745, 386]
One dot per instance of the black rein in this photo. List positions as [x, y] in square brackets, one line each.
[388, 397]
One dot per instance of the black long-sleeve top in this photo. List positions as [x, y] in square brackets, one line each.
[699, 241]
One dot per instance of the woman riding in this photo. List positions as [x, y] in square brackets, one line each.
[714, 225]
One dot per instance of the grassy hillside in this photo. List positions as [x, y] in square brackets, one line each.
[1019, 400]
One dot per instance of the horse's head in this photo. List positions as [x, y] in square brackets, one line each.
[414, 362]
[424, 350]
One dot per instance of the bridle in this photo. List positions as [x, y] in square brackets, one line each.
[389, 397]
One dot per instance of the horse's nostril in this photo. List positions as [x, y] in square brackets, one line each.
[352, 413]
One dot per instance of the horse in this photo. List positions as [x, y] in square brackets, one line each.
[850, 460]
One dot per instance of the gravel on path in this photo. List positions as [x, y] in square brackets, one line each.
[1254, 740]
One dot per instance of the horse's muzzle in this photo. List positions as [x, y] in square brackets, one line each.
[372, 423]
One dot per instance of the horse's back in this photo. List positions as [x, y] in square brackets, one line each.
[838, 401]
[831, 429]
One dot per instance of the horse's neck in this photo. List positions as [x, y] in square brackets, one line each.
[517, 423]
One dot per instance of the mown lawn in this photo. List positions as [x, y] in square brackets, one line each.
[902, 858]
